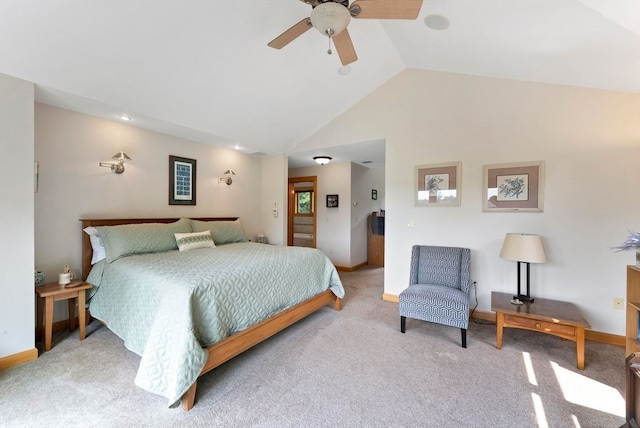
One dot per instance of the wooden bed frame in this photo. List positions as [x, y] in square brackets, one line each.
[228, 348]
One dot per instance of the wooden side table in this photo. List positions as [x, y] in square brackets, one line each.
[53, 292]
[561, 319]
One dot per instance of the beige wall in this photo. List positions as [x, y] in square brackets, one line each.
[589, 140]
[69, 147]
[341, 232]
[333, 227]
[16, 216]
[274, 197]
[363, 180]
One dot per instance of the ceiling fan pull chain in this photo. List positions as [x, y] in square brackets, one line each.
[329, 32]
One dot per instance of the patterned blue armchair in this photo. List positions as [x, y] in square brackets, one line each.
[439, 284]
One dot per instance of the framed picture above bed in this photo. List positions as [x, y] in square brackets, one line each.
[182, 181]
[513, 187]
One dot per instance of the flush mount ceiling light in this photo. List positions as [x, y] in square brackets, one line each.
[125, 118]
[322, 160]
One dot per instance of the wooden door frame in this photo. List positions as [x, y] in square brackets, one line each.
[291, 206]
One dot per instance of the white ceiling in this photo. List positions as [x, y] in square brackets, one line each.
[201, 70]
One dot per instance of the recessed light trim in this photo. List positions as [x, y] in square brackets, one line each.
[437, 22]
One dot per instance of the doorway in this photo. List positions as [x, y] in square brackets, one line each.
[302, 211]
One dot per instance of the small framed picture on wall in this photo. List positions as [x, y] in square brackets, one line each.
[182, 181]
[374, 194]
[332, 201]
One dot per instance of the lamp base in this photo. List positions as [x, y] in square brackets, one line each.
[524, 298]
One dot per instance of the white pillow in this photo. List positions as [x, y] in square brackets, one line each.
[191, 241]
[99, 252]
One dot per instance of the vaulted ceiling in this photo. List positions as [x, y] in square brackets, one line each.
[202, 70]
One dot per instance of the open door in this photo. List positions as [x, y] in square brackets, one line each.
[302, 211]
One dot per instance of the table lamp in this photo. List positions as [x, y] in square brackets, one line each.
[523, 248]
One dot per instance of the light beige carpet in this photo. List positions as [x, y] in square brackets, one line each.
[334, 369]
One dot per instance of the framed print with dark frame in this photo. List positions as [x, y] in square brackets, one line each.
[513, 187]
[374, 194]
[182, 181]
[438, 185]
[332, 201]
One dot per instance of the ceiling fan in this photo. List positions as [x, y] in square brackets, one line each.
[331, 18]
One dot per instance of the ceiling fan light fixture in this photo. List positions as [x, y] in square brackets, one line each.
[330, 18]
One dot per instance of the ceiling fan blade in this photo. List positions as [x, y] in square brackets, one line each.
[385, 9]
[291, 34]
[344, 46]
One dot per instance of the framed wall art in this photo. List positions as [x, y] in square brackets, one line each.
[438, 185]
[182, 181]
[332, 201]
[513, 187]
[374, 194]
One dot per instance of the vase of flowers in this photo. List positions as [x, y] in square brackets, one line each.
[632, 243]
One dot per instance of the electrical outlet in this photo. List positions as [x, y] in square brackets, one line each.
[618, 303]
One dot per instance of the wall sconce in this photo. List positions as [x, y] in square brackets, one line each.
[322, 160]
[227, 179]
[117, 167]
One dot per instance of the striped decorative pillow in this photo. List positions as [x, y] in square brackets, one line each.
[191, 241]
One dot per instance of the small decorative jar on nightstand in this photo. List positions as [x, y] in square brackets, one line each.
[38, 278]
[53, 292]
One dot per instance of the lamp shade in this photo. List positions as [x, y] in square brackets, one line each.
[522, 247]
[121, 156]
[330, 18]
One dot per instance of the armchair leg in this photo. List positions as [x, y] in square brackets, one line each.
[403, 324]
[464, 337]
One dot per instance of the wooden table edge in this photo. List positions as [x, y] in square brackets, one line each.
[579, 326]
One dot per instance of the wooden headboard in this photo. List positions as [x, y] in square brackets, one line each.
[87, 251]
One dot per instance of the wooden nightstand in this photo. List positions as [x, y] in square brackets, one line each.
[53, 292]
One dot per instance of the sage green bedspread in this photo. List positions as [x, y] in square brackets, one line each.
[168, 306]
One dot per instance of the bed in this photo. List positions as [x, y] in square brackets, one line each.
[176, 344]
